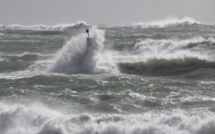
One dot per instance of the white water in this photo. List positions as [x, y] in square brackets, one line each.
[76, 57]
[39, 119]
[169, 49]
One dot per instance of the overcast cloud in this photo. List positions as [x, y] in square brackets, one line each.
[29, 12]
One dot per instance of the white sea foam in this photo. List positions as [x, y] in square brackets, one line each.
[76, 57]
[39, 119]
[170, 22]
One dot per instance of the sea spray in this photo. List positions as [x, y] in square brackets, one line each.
[77, 57]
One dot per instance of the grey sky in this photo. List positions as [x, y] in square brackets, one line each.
[29, 12]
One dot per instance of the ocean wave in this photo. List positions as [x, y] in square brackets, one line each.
[25, 56]
[59, 27]
[16, 66]
[198, 47]
[40, 119]
[167, 23]
[21, 70]
[167, 57]
[11, 66]
[163, 67]
[149, 49]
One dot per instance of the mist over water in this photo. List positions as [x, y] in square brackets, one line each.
[148, 78]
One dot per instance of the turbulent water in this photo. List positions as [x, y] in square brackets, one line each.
[144, 78]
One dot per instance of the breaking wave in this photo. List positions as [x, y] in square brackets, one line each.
[149, 49]
[60, 27]
[172, 49]
[167, 23]
[169, 57]
[30, 120]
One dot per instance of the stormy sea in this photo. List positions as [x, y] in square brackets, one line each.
[143, 78]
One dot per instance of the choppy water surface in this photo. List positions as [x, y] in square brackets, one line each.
[146, 78]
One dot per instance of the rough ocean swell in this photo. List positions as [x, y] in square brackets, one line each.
[144, 78]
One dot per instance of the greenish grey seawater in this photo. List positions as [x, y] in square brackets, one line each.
[138, 79]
